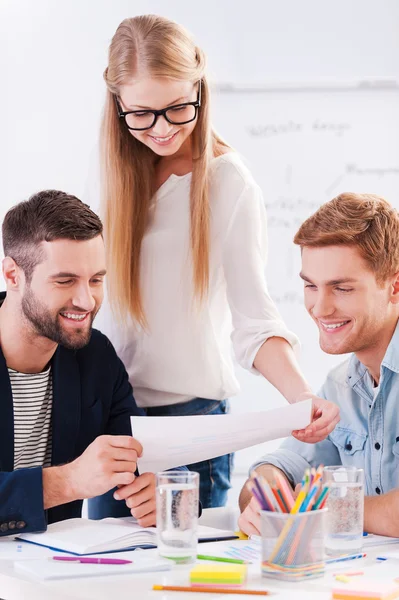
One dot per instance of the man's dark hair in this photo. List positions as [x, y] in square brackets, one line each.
[47, 216]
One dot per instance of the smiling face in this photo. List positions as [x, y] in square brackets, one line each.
[164, 138]
[65, 292]
[352, 311]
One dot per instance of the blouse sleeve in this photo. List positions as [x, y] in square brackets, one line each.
[255, 316]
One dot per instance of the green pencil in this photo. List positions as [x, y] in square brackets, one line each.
[236, 561]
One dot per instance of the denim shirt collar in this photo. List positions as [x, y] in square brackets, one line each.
[357, 370]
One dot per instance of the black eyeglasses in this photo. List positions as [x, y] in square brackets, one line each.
[179, 114]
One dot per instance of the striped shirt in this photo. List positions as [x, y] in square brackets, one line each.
[32, 399]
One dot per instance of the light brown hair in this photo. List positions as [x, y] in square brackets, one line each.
[157, 47]
[365, 221]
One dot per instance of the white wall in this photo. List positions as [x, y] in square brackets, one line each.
[52, 56]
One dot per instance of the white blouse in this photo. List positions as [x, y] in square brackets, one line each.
[186, 352]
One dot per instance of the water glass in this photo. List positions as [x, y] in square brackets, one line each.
[345, 510]
[177, 515]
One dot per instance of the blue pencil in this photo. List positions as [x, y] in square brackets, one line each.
[343, 558]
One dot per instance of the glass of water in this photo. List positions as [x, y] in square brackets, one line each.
[177, 515]
[345, 510]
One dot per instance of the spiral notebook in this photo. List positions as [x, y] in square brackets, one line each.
[85, 536]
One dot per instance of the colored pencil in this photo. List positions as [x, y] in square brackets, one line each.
[237, 561]
[285, 490]
[321, 498]
[269, 493]
[261, 492]
[260, 499]
[279, 498]
[208, 590]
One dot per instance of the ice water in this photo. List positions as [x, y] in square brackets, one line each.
[177, 517]
[345, 519]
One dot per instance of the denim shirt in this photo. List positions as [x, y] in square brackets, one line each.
[367, 435]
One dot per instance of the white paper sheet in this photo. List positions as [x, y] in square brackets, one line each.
[170, 442]
[11, 549]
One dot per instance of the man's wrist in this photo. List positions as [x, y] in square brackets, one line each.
[58, 486]
[381, 514]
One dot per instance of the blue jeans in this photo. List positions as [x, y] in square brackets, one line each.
[214, 473]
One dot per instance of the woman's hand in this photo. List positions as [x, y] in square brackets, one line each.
[325, 416]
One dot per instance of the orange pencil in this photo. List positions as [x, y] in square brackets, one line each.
[208, 590]
[284, 489]
[278, 499]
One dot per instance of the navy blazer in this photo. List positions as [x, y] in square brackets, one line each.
[92, 396]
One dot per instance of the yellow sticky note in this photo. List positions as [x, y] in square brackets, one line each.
[342, 578]
[204, 573]
[241, 535]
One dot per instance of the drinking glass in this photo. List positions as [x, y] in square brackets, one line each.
[177, 515]
[345, 505]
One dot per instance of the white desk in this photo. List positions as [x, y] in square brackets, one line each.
[139, 586]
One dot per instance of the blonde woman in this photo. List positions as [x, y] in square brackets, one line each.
[185, 229]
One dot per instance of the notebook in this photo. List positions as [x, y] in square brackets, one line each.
[53, 569]
[85, 536]
[378, 540]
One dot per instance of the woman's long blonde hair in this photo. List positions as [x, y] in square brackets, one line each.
[157, 47]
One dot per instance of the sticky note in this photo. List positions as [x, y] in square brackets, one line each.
[213, 575]
[343, 578]
[366, 589]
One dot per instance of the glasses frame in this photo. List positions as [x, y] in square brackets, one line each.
[158, 113]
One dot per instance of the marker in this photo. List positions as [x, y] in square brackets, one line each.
[93, 561]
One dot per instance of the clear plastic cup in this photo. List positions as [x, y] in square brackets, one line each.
[293, 545]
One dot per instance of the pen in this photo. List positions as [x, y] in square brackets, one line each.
[350, 573]
[237, 561]
[342, 558]
[208, 590]
[93, 561]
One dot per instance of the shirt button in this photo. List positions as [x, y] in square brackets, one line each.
[377, 446]
[4, 527]
[348, 446]
[377, 489]
[20, 524]
[11, 524]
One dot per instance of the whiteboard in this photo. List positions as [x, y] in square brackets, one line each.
[305, 146]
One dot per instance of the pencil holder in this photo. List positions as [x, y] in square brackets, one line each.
[293, 544]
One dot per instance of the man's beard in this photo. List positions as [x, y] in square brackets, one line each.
[49, 326]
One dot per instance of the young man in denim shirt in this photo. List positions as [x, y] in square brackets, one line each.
[350, 269]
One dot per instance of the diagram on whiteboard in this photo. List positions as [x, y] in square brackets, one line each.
[303, 149]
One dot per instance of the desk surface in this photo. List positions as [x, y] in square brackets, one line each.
[139, 586]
